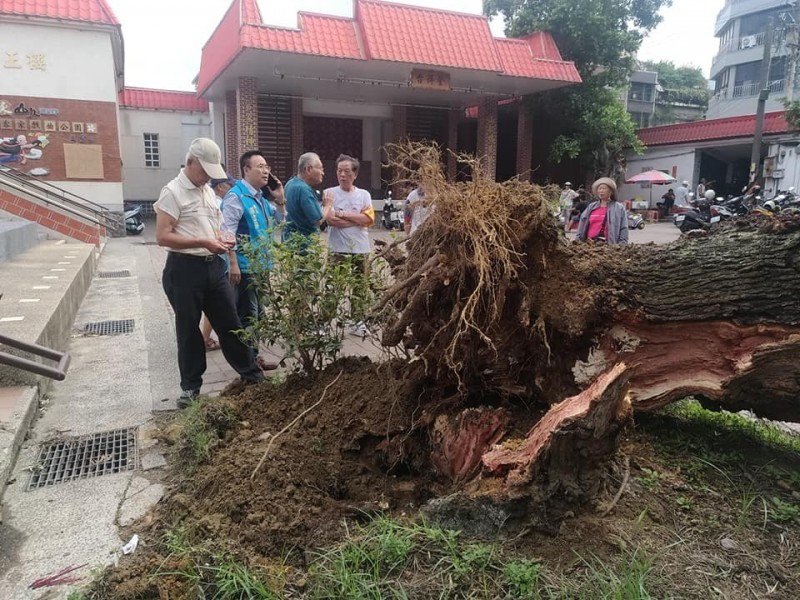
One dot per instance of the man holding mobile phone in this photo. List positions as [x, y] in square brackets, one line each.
[248, 213]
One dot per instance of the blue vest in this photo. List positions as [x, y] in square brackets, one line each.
[257, 220]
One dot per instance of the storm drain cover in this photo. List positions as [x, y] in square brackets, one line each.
[109, 327]
[109, 274]
[85, 456]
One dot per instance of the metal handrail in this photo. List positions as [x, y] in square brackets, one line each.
[48, 193]
[58, 373]
[50, 202]
[42, 183]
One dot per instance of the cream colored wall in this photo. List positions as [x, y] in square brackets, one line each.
[175, 131]
[78, 63]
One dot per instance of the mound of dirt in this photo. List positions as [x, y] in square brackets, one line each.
[337, 460]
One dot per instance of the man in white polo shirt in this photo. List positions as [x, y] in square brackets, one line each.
[350, 220]
[188, 222]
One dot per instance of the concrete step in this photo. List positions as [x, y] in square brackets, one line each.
[16, 236]
[42, 289]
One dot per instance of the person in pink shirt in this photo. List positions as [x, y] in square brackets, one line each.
[605, 220]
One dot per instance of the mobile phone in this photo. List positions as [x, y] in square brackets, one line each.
[272, 182]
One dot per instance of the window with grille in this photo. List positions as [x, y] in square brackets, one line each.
[151, 150]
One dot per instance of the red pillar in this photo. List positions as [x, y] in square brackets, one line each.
[246, 115]
[231, 134]
[453, 117]
[487, 136]
[524, 142]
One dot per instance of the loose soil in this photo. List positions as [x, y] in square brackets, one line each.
[699, 503]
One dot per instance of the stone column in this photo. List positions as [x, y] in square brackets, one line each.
[247, 114]
[453, 116]
[298, 145]
[524, 141]
[487, 136]
[231, 134]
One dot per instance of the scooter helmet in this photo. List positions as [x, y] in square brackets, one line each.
[771, 206]
[710, 194]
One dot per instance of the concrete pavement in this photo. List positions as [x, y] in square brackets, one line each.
[114, 382]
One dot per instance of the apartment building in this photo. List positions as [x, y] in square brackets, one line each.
[740, 27]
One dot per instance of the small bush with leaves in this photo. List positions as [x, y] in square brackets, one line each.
[308, 298]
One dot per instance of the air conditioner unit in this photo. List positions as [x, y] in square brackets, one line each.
[748, 41]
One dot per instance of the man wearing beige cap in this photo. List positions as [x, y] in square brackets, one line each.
[188, 223]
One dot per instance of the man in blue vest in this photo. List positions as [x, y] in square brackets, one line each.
[252, 216]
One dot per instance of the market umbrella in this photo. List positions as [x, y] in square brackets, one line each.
[652, 177]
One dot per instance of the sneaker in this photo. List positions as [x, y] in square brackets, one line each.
[187, 397]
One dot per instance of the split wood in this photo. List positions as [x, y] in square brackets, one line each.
[290, 425]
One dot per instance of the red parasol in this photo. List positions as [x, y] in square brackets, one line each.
[652, 177]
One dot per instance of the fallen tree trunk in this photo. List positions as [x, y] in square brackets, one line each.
[497, 304]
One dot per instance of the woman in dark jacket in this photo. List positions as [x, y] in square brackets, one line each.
[605, 219]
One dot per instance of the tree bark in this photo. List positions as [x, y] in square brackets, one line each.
[596, 332]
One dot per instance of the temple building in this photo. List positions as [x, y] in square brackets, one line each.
[391, 72]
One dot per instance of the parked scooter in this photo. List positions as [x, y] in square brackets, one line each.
[635, 221]
[133, 220]
[392, 215]
[701, 216]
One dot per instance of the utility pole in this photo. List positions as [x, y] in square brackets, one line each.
[755, 155]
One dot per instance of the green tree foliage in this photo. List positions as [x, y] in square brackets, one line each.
[792, 113]
[671, 77]
[309, 298]
[601, 37]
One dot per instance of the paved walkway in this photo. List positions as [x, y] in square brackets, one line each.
[114, 382]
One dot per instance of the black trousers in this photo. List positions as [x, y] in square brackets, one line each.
[248, 305]
[195, 285]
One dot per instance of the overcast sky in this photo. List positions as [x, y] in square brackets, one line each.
[163, 38]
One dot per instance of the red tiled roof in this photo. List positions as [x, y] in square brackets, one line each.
[87, 11]
[131, 97]
[543, 45]
[387, 32]
[712, 129]
[410, 34]
[320, 35]
[518, 61]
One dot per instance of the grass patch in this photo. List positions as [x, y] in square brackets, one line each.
[202, 425]
[386, 559]
[733, 427]
[205, 570]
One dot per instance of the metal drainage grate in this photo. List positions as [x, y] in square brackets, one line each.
[109, 274]
[109, 327]
[85, 456]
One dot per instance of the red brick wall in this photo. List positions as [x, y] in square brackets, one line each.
[246, 115]
[453, 118]
[231, 131]
[487, 136]
[78, 115]
[50, 219]
[298, 132]
[524, 142]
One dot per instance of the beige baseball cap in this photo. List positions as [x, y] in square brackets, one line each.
[209, 156]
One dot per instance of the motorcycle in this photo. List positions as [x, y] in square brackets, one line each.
[700, 217]
[635, 221]
[133, 220]
[391, 216]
